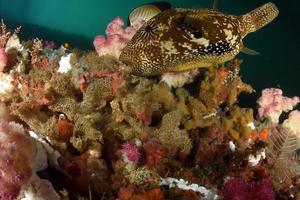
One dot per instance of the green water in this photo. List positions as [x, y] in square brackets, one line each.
[78, 21]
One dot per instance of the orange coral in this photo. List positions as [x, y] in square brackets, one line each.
[144, 115]
[264, 134]
[223, 73]
[154, 153]
[254, 135]
[126, 193]
[261, 135]
[43, 63]
[65, 128]
[154, 194]
[40, 95]
[129, 193]
[117, 82]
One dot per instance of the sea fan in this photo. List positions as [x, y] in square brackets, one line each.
[282, 148]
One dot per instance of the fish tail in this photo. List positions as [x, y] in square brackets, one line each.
[259, 17]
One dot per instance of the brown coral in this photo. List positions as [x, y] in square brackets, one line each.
[155, 152]
[237, 124]
[170, 135]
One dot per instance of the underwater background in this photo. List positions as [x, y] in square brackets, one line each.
[77, 22]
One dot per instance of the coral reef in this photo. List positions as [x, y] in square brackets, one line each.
[109, 134]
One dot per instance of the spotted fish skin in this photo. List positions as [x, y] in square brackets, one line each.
[182, 39]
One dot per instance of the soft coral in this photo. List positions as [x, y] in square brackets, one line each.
[237, 189]
[116, 37]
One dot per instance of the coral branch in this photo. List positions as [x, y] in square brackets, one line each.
[37, 47]
[4, 34]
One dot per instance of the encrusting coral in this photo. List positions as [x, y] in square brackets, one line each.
[180, 135]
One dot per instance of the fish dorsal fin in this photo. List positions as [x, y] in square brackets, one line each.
[191, 24]
[162, 5]
[147, 11]
[144, 12]
[248, 51]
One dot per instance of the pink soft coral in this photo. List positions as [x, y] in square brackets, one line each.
[3, 59]
[117, 37]
[130, 152]
[20, 157]
[272, 103]
[237, 189]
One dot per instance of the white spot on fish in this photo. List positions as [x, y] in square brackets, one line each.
[187, 46]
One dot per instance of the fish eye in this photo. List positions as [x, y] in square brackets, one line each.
[148, 28]
[189, 28]
[197, 34]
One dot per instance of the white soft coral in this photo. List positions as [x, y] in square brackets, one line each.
[179, 79]
[292, 124]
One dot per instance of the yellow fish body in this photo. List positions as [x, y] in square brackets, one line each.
[182, 39]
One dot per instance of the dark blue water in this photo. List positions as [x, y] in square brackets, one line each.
[78, 21]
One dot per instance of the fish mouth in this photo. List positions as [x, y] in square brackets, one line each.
[136, 73]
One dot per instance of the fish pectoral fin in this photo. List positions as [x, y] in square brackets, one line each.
[248, 51]
[216, 4]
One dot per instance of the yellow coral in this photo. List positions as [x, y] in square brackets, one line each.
[171, 136]
[237, 123]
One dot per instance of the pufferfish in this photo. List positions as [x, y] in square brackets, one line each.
[180, 39]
